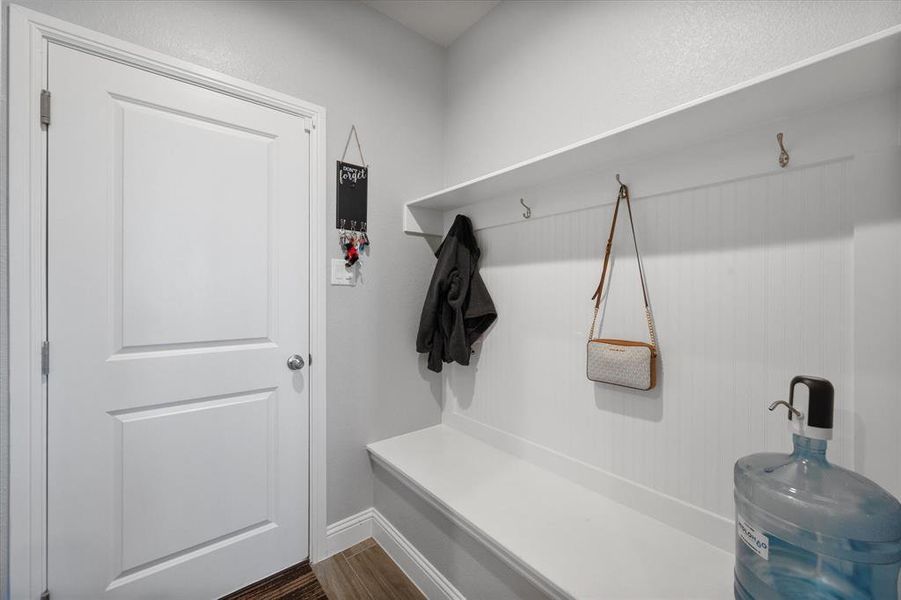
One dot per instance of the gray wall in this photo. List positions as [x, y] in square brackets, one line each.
[535, 76]
[365, 69]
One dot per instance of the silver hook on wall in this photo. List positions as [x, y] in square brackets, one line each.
[783, 155]
[623, 188]
[528, 213]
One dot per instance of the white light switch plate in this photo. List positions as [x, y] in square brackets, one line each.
[342, 275]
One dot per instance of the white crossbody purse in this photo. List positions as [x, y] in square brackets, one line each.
[622, 362]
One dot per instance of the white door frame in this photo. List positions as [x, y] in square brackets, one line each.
[30, 33]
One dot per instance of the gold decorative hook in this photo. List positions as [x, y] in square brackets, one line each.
[783, 155]
[528, 213]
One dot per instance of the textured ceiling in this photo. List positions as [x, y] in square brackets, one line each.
[441, 21]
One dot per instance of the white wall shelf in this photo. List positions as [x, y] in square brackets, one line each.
[861, 68]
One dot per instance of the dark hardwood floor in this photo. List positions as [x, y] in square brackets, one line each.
[365, 572]
[294, 583]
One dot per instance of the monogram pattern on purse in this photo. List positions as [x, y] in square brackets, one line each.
[622, 362]
[627, 366]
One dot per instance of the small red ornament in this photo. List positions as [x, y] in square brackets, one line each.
[351, 255]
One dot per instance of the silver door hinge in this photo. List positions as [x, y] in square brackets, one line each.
[45, 358]
[45, 595]
[45, 107]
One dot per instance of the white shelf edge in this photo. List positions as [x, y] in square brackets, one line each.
[421, 219]
[524, 569]
[383, 455]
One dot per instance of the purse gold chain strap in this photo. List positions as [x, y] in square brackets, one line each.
[623, 194]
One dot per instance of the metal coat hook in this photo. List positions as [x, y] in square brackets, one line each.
[623, 188]
[528, 213]
[783, 155]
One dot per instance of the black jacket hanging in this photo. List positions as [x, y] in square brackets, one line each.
[457, 308]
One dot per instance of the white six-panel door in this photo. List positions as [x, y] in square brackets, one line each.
[178, 286]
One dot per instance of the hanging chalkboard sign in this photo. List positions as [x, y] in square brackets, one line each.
[352, 189]
[352, 185]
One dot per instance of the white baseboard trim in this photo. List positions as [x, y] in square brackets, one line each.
[417, 567]
[371, 523]
[343, 534]
[693, 520]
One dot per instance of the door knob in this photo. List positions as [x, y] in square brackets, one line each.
[295, 362]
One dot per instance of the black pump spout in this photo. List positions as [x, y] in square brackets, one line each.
[820, 406]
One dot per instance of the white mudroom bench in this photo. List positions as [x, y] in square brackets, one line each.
[569, 541]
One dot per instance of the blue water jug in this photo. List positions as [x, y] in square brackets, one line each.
[808, 529]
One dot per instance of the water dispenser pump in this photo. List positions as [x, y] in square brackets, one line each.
[808, 529]
[817, 423]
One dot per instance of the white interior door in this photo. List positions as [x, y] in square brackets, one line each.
[178, 259]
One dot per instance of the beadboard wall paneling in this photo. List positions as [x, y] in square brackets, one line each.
[751, 282]
[877, 318]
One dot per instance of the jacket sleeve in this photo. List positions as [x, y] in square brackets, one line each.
[430, 338]
[479, 313]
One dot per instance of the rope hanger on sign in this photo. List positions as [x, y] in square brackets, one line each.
[353, 133]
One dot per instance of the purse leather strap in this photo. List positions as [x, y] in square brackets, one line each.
[598, 293]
